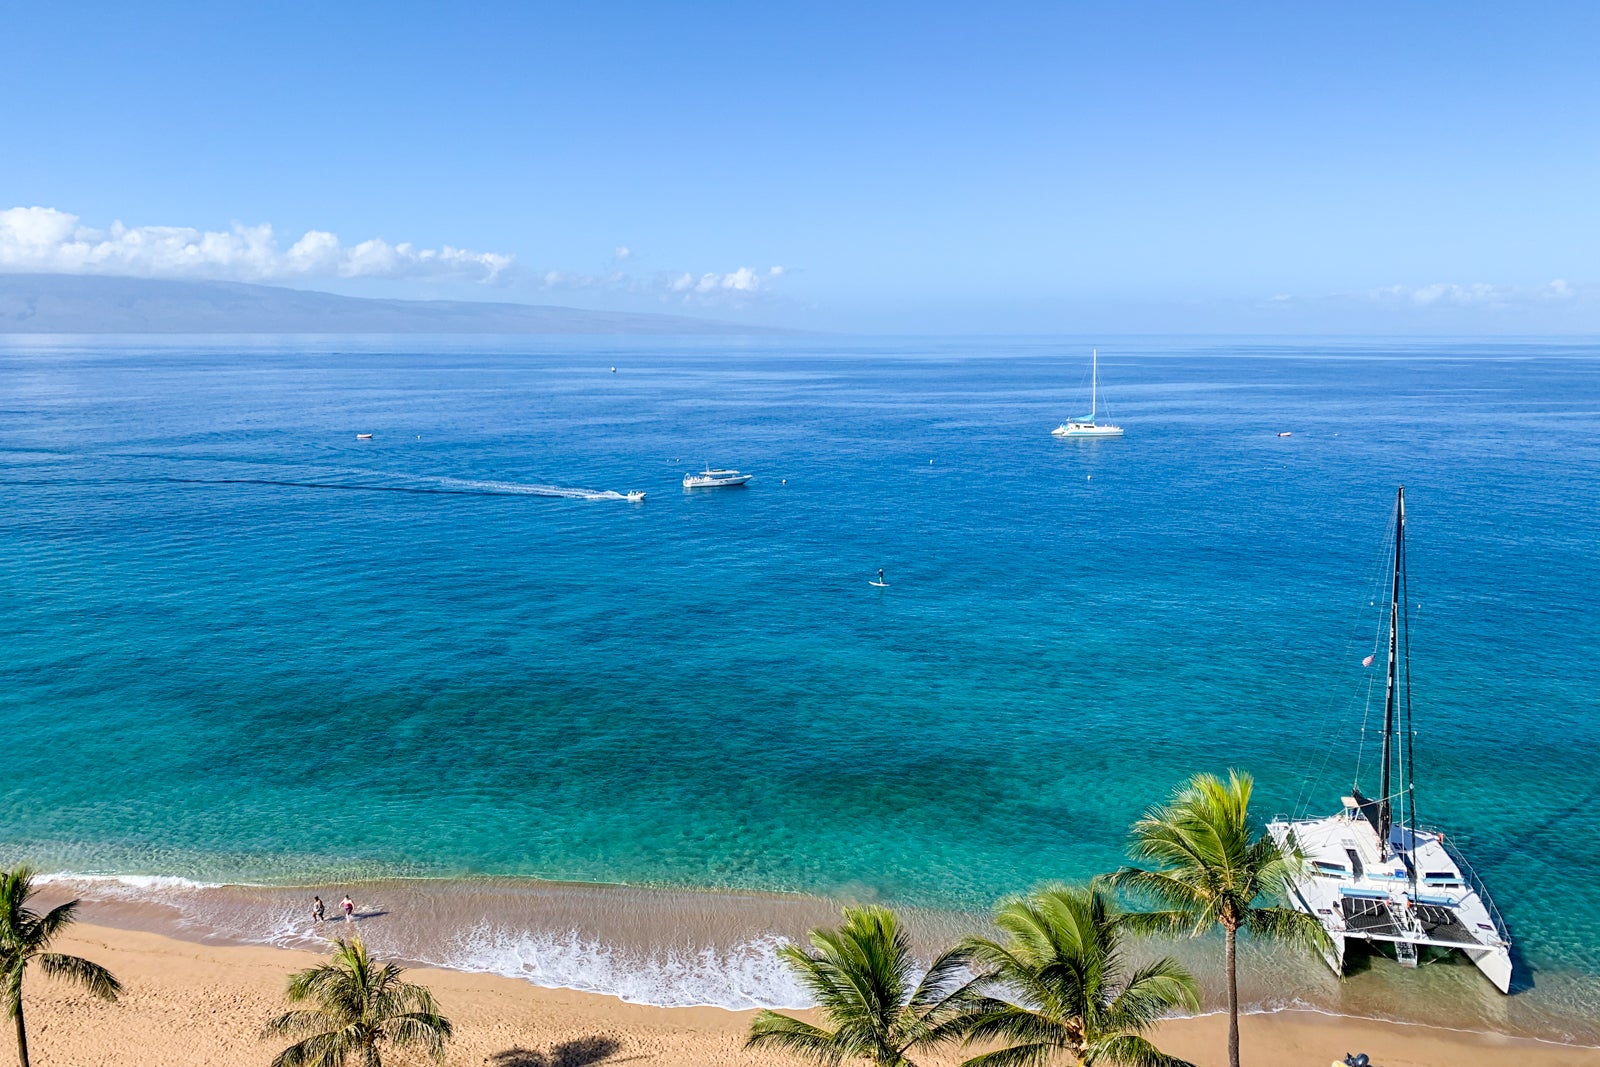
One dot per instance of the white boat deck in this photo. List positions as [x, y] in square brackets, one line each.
[711, 479]
[1421, 895]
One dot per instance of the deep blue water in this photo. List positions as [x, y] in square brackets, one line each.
[234, 651]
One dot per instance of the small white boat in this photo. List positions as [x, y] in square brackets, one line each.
[363, 437]
[636, 496]
[1086, 426]
[714, 479]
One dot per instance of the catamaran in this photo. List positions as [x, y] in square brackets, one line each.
[1372, 872]
[1086, 426]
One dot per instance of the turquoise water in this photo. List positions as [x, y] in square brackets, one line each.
[241, 644]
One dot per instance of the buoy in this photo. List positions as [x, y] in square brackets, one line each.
[1088, 477]
[783, 481]
[613, 370]
[930, 462]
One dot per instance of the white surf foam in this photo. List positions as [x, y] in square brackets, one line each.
[745, 975]
[134, 883]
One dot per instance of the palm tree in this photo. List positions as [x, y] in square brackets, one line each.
[25, 938]
[360, 1005]
[1062, 963]
[864, 978]
[1213, 870]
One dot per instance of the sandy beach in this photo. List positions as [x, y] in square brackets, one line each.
[190, 1004]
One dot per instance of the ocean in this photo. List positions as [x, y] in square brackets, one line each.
[629, 746]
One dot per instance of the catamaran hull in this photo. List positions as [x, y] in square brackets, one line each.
[1372, 900]
[1494, 963]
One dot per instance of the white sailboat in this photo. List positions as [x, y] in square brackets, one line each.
[1086, 426]
[1372, 872]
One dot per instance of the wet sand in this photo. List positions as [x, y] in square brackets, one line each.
[189, 1004]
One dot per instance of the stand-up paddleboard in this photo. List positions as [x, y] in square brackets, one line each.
[880, 585]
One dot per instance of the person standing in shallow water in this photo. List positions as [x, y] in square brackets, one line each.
[349, 907]
[318, 912]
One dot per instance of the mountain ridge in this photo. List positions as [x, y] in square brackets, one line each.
[85, 303]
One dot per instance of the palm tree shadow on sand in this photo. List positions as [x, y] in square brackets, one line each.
[582, 1052]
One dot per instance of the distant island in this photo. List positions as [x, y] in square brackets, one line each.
[71, 303]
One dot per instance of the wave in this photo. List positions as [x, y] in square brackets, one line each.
[135, 883]
[679, 948]
[745, 975]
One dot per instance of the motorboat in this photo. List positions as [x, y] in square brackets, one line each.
[636, 496]
[363, 437]
[1370, 872]
[715, 479]
[1086, 426]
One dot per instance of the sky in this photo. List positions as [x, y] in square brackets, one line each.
[877, 167]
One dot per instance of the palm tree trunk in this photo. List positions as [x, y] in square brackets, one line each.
[22, 1036]
[1233, 1000]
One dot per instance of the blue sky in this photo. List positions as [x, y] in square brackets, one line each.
[897, 167]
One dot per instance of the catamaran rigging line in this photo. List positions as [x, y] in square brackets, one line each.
[1373, 873]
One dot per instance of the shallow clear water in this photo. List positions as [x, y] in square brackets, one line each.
[242, 645]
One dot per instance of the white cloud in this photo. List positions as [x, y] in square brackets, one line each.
[734, 288]
[622, 252]
[49, 241]
[743, 280]
[1476, 294]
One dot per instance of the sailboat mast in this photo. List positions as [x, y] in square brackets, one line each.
[1094, 381]
[1385, 812]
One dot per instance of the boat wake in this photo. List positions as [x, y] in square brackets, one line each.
[523, 489]
[426, 485]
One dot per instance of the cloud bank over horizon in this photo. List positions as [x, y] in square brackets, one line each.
[48, 241]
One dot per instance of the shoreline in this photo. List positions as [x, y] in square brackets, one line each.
[695, 948]
[188, 1003]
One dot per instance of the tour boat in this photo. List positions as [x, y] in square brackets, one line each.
[714, 479]
[1372, 872]
[1086, 426]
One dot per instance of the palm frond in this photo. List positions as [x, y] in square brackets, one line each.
[1129, 1050]
[770, 1029]
[357, 1002]
[91, 976]
[296, 1024]
[329, 1049]
[1063, 969]
[947, 976]
[1153, 992]
[424, 1030]
[1290, 927]
[48, 925]
[998, 1020]
[1038, 1055]
[1178, 893]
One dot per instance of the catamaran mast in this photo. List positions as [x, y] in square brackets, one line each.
[1385, 811]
